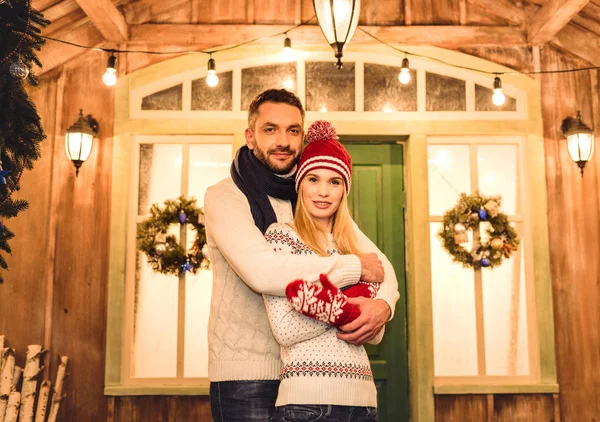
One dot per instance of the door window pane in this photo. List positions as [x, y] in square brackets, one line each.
[454, 332]
[449, 175]
[329, 88]
[497, 167]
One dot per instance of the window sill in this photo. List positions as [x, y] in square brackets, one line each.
[156, 390]
[496, 389]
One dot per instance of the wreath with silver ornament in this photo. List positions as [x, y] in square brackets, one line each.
[497, 241]
[163, 250]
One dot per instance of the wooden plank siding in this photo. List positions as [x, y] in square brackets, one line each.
[60, 252]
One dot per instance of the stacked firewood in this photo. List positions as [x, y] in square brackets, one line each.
[22, 397]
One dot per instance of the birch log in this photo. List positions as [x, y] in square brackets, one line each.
[17, 377]
[6, 381]
[30, 380]
[3, 354]
[57, 396]
[40, 414]
[12, 410]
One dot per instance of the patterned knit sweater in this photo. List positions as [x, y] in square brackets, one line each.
[241, 345]
[317, 367]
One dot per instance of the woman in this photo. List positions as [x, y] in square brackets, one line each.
[322, 377]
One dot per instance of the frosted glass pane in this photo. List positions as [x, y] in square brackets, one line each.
[449, 170]
[384, 92]
[155, 328]
[505, 320]
[167, 99]
[257, 79]
[209, 163]
[218, 97]
[197, 307]
[453, 300]
[497, 167]
[444, 93]
[160, 174]
[329, 88]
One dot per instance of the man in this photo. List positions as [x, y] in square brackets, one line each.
[243, 355]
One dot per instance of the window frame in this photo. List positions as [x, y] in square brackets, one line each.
[523, 207]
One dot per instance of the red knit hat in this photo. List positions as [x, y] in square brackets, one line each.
[324, 152]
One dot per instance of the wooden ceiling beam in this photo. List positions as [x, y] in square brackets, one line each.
[551, 18]
[580, 42]
[143, 11]
[54, 54]
[203, 36]
[504, 9]
[107, 18]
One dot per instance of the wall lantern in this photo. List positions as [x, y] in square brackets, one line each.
[580, 140]
[79, 139]
[338, 20]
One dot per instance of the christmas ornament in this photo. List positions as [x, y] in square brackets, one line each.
[3, 174]
[497, 243]
[187, 267]
[160, 248]
[18, 70]
[165, 254]
[468, 212]
[492, 208]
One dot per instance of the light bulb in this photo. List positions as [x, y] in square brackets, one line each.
[498, 98]
[110, 76]
[323, 109]
[288, 53]
[212, 79]
[404, 76]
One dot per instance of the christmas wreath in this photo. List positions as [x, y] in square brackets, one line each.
[499, 240]
[163, 250]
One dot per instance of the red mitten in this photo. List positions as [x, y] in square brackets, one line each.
[325, 303]
[362, 288]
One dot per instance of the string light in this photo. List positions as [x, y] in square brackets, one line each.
[288, 53]
[110, 76]
[404, 76]
[498, 97]
[212, 79]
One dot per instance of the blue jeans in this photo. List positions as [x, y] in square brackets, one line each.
[233, 401]
[324, 412]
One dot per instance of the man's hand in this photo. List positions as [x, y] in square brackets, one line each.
[374, 313]
[371, 268]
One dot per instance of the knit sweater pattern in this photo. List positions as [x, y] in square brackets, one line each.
[317, 367]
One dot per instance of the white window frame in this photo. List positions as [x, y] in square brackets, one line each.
[522, 219]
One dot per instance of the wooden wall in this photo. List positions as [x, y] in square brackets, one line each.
[55, 291]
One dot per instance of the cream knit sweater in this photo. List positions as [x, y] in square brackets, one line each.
[317, 367]
[241, 344]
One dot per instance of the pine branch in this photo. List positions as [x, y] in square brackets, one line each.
[20, 127]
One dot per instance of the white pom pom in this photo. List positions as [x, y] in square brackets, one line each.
[321, 130]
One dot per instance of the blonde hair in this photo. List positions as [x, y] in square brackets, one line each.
[315, 238]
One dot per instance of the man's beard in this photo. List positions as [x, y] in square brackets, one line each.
[263, 158]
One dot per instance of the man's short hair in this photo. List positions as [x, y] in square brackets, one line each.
[273, 96]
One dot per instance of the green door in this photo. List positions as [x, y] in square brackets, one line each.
[377, 204]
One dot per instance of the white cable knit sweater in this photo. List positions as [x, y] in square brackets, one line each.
[241, 344]
[317, 367]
